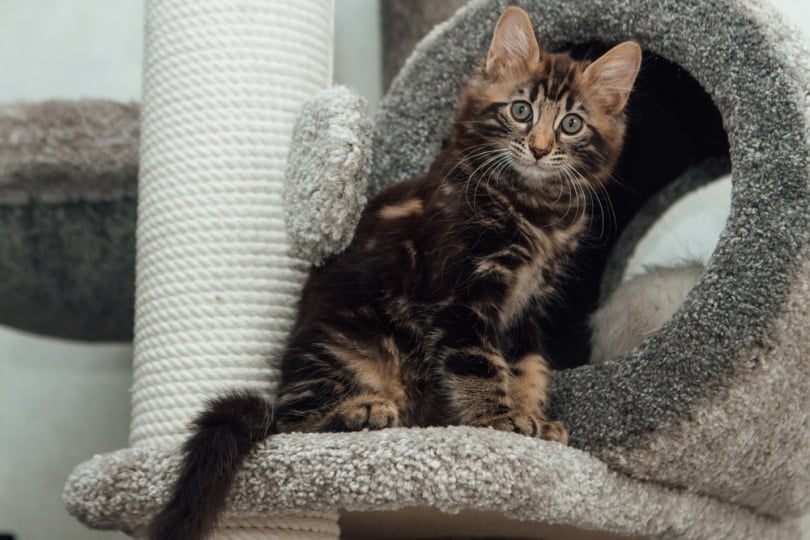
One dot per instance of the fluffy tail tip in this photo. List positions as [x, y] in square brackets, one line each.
[223, 435]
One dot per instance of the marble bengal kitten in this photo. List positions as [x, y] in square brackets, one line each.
[430, 317]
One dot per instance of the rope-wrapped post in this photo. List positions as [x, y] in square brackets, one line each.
[215, 287]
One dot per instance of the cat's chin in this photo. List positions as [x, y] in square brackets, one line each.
[537, 174]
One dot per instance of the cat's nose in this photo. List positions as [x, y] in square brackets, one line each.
[538, 153]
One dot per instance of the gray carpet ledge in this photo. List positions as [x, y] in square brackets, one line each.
[450, 469]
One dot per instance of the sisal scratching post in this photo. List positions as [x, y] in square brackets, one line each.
[215, 288]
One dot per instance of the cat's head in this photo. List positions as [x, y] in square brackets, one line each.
[544, 115]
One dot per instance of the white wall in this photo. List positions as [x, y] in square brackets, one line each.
[70, 49]
[357, 52]
[62, 402]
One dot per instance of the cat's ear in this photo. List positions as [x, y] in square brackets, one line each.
[612, 75]
[514, 46]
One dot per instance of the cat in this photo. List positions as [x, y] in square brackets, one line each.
[430, 316]
[638, 307]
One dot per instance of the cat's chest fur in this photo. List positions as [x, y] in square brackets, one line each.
[514, 243]
[549, 248]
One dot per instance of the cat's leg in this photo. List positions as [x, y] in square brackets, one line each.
[471, 370]
[528, 388]
[529, 382]
[368, 410]
[340, 383]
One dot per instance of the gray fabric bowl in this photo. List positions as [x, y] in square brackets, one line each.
[68, 182]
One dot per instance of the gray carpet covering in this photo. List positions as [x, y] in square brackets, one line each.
[450, 469]
[68, 182]
[404, 23]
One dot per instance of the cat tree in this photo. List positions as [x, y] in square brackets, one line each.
[702, 432]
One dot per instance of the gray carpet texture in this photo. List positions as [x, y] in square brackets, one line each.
[404, 23]
[701, 432]
[68, 183]
[450, 469]
[326, 184]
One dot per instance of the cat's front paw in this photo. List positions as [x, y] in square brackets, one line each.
[553, 431]
[523, 423]
[365, 412]
[533, 425]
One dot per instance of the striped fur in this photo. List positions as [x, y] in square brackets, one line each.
[432, 314]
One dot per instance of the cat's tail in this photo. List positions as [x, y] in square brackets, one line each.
[223, 435]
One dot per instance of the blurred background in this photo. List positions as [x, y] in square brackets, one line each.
[62, 401]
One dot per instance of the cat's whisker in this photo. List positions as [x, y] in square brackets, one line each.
[484, 178]
[472, 153]
[613, 220]
[595, 196]
[579, 200]
[559, 189]
[607, 212]
[503, 163]
[604, 197]
[467, 183]
[569, 188]
[582, 199]
[589, 199]
[573, 194]
[484, 167]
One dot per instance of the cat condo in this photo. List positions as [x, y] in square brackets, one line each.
[701, 432]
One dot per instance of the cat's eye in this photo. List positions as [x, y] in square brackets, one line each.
[571, 124]
[521, 111]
